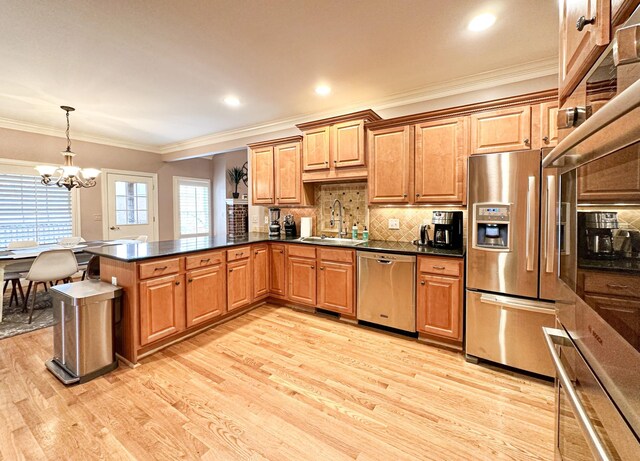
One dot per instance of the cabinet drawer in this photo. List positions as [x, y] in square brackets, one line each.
[440, 266]
[204, 259]
[158, 268]
[238, 253]
[611, 284]
[302, 251]
[341, 256]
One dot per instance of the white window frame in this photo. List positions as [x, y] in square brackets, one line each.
[176, 205]
[8, 165]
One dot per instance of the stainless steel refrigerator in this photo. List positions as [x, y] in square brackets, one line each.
[511, 260]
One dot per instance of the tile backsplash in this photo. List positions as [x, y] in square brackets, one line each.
[354, 200]
[628, 217]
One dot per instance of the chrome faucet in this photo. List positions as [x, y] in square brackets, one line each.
[332, 221]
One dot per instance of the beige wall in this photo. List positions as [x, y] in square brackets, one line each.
[221, 189]
[20, 145]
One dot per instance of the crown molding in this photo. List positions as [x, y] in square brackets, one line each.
[48, 131]
[481, 81]
[476, 82]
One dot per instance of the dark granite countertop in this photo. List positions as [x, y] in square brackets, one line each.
[143, 251]
[619, 265]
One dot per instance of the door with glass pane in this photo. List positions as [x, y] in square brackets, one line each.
[130, 206]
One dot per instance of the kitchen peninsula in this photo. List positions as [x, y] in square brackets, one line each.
[175, 289]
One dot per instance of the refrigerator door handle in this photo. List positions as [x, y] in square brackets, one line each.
[515, 303]
[550, 223]
[531, 196]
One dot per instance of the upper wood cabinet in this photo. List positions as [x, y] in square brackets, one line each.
[260, 264]
[316, 147]
[276, 171]
[584, 33]
[277, 270]
[390, 160]
[336, 280]
[262, 176]
[206, 294]
[161, 308]
[288, 174]
[334, 148]
[611, 179]
[549, 124]
[501, 130]
[441, 161]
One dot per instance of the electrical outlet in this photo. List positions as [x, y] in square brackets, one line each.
[254, 219]
[114, 281]
[266, 219]
[394, 224]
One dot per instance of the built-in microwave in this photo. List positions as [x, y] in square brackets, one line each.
[597, 350]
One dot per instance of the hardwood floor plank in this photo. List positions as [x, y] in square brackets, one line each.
[276, 384]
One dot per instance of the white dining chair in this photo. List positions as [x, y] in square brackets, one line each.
[21, 244]
[49, 266]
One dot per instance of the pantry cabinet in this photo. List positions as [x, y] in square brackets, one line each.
[276, 173]
[441, 161]
[334, 148]
[439, 298]
[501, 130]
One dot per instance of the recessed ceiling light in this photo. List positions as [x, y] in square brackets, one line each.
[323, 90]
[232, 101]
[482, 22]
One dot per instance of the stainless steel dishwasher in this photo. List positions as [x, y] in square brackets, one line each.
[387, 289]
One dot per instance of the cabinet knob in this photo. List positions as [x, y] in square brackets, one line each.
[335, 161]
[230, 270]
[326, 163]
[582, 21]
[177, 283]
[190, 280]
[526, 141]
[313, 267]
[321, 268]
[423, 282]
[546, 139]
[404, 195]
[281, 251]
[417, 195]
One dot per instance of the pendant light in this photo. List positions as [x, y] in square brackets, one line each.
[68, 175]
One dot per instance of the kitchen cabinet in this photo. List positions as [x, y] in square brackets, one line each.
[260, 265]
[336, 280]
[262, 176]
[439, 298]
[206, 294]
[501, 130]
[441, 161]
[276, 173]
[334, 148]
[277, 271]
[301, 274]
[584, 33]
[161, 307]
[549, 124]
[390, 164]
[239, 280]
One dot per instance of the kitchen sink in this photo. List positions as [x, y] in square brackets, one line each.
[331, 240]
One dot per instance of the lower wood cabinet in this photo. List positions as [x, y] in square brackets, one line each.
[439, 298]
[161, 308]
[301, 274]
[277, 271]
[260, 267]
[239, 284]
[336, 280]
[206, 294]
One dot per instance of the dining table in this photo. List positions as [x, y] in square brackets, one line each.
[28, 255]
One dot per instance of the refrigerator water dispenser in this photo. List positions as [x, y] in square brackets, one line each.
[491, 226]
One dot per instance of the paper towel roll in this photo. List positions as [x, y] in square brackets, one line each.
[305, 226]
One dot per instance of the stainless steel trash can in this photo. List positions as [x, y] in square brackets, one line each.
[83, 330]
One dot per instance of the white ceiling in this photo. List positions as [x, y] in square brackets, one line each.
[153, 73]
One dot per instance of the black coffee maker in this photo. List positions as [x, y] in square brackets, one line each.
[274, 226]
[447, 229]
[289, 226]
[596, 234]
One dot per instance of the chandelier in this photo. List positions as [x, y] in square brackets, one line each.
[68, 175]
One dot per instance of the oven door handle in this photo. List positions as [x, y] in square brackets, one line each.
[555, 336]
[529, 238]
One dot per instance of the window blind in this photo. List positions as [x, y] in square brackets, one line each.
[194, 209]
[30, 210]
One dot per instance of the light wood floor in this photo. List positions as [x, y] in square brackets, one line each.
[275, 384]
